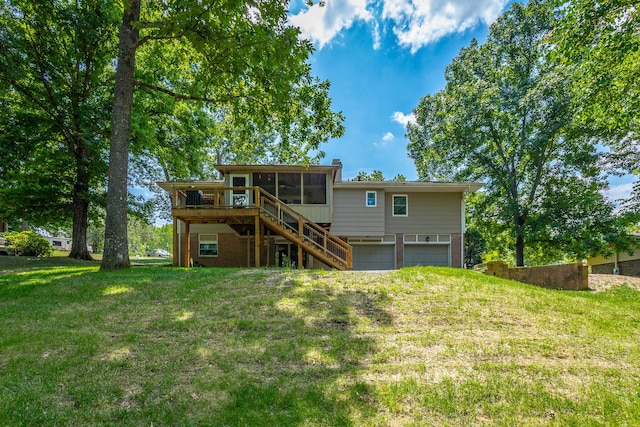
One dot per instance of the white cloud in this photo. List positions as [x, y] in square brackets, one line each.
[618, 192]
[403, 119]
[386, 140]
[420, 22]
[321, 24]
[415, 23]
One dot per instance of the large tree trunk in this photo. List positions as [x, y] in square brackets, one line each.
[116, 247]
[80, 210]
[519, 222]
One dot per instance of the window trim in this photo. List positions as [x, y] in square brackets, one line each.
[393, 205]
[375, 199]
[208, 241]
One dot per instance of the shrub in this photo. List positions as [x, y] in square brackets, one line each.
[28, 243]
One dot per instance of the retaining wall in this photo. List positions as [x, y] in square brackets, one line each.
[565, 276]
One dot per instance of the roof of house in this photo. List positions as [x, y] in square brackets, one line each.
[201, 185]
[334, 170]
[276, 168]
[412, 186]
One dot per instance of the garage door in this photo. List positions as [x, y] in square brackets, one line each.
[426, 255]
[374, 257]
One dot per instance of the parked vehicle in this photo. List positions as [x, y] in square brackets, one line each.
[160, 253]
[4, 250]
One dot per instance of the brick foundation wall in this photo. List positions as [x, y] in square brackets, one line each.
[399, 250]
[456, 250]
[626, 268]
[232, 252]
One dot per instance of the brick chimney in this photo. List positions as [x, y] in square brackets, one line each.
[338, 177]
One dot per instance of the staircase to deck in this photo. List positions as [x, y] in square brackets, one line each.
[296, 228]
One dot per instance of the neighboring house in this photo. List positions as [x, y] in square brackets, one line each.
[59, 243]
[623, 263]
[283, 215]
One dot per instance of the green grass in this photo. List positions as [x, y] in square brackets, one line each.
[230, 347]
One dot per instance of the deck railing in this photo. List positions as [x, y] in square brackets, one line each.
[278, 212]
[306, 230]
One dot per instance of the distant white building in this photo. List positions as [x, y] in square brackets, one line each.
[60, 243]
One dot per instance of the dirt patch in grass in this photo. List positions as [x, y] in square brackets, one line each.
[602, 282]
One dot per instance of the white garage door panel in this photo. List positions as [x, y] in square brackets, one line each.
[374, 257]
[426, 255]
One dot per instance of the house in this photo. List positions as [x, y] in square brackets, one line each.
[624, 263]
[291, 215]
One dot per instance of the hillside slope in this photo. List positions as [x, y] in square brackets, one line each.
[415, 347]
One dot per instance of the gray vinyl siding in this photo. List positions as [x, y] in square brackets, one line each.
[351, 217]
[427, 213]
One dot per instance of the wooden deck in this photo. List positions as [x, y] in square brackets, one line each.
[254, 206]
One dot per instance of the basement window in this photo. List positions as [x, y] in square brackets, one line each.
[208, 245]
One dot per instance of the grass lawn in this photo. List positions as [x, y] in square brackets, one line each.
[228, 347]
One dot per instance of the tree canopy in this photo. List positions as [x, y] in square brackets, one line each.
[503, 118]
[208, 80]
[599, 44]
[242, 58]
[377, 175]
[55, 75]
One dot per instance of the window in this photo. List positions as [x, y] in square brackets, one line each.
[315, 188]
[372, 199]
[289, 188]
[266, 180]
[400, 205]
[294, 188]
[208, 245]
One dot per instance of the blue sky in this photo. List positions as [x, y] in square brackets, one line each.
[382, 57]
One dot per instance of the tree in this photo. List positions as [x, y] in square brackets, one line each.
[54, 75]
[599, 44]
[502, 118]
[474, 247]
[240, 57]
[377, 175]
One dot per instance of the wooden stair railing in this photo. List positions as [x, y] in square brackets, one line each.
[329, 248]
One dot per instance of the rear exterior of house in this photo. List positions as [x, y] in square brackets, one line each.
[399, 224]
[283, 215]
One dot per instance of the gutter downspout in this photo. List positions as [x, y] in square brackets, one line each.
[463, 225]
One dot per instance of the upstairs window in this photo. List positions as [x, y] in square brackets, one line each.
[294, 188]
[371, 199]
[289, 188]
[266, 180]
[314, 188]
[400, 205]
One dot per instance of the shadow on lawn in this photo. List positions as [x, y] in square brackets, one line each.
[193, 347]
[308, 358]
